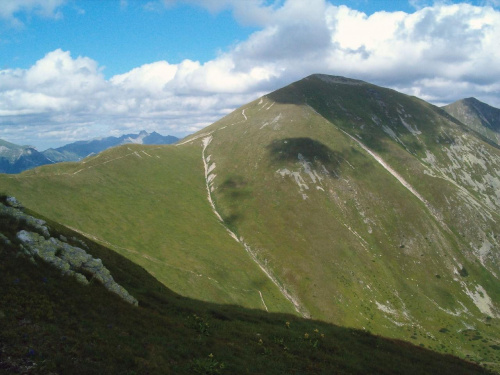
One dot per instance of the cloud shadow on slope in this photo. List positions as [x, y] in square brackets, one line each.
[234, 189]
[288, 150]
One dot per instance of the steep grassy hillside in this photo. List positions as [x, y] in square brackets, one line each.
[372, 208]
[330, 198]
[150, 204]
[51, 324]
[478, 116]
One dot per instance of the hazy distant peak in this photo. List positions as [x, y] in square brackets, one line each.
[137, 138]
[15, 158]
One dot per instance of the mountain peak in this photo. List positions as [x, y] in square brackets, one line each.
[471, 99]
[478, 116]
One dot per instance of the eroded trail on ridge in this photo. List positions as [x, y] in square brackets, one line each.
[209, 177]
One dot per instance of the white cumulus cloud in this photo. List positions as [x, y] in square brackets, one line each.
[440, 53]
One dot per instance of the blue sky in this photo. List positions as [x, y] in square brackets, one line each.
[77, 69]
[122, 37]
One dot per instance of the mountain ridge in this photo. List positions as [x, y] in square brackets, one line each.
[81, 149]
[15, 158]
[370, 208]
[385, 131]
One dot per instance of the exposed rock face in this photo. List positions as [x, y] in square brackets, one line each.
[13, 202]
[71, 260]
[14, 211]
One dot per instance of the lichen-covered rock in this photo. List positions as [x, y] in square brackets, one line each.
[75, 256]
[81, 279]
[36, 243]
[71, 261]
[37, 224]
[13, 202]
[44, 249]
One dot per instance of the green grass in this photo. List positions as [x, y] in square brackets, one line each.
[336, 275]
[52, 324]
[361, 251]
[153, 210]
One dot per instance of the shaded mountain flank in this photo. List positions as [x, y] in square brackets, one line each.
[478, 116]
[330, 199]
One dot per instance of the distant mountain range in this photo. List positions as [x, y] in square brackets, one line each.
[15, 158]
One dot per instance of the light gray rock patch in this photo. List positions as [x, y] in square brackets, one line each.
[38, 225]
[13, 202]
[72, 261]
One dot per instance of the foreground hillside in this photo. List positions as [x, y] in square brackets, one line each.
[331, 199]
[51, 324]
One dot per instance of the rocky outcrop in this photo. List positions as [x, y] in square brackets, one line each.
[36, 243]
[13, 209]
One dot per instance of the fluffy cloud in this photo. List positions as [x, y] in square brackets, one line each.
[60, 94]
[9, 9]
[440, 53]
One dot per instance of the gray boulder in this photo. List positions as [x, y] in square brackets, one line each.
[37, 224]
[72, 261]
[13, 202]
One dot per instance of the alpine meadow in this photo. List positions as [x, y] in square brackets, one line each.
[314, 220]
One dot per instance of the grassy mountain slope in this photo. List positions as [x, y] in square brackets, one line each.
[351, 203]
[50, 323]
[478, 116]
[415, 259]
[149, 203]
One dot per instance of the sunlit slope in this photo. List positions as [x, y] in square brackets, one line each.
[370, 208]
[150, 204]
